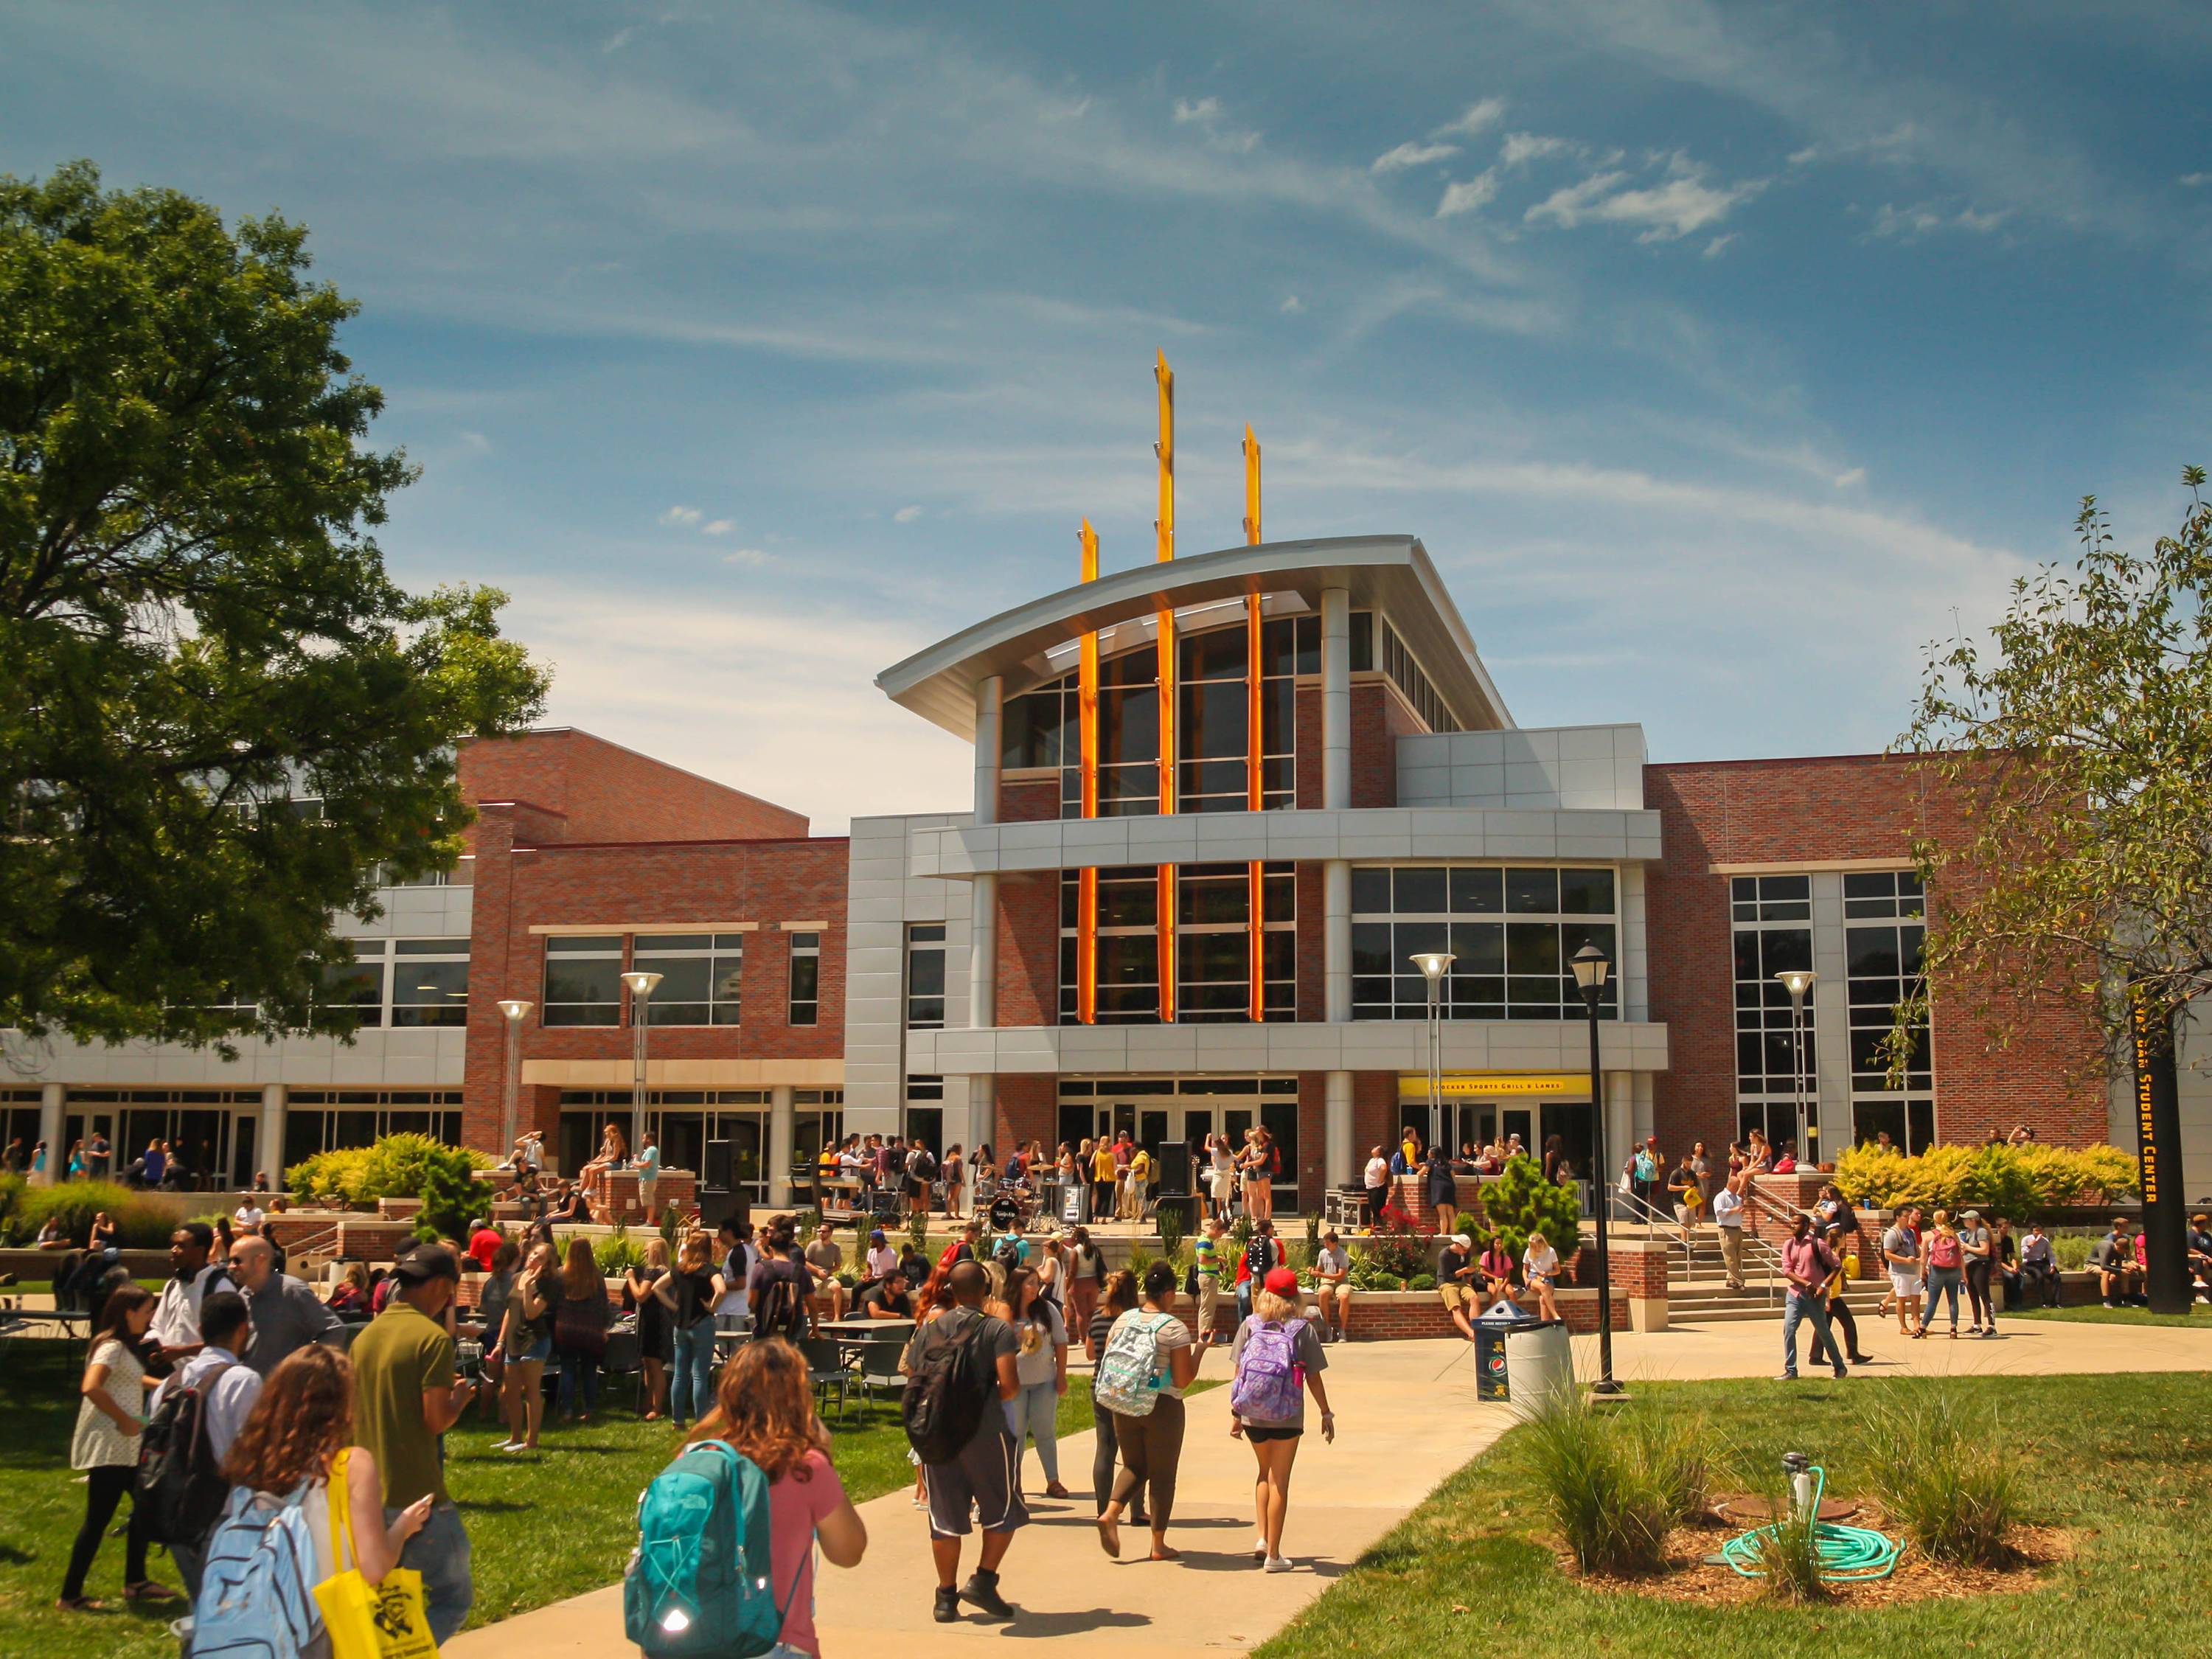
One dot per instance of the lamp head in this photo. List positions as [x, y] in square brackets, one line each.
[641, 984]
[1432, 964]
[517, 1009]
[1591, 965]
[1797, 981]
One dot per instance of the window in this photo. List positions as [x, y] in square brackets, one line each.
[924, 976]
[805, 978]
[583, 980]
[1400, 668]
[701, 976]
[431, 981]
[1774, 917]
[358, 984]
[322, 1119]
[1883, 932]
[1213, 944]
[1512, 932]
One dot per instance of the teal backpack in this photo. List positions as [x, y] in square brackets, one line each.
[698, 1585]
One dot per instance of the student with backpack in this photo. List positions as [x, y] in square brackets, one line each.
[760, 1457]
[305, 1506]
[110, 1417]
[960, 1367]
[191, 1422]
[1277, 1360]
[778, 1288]
[1147, 1362]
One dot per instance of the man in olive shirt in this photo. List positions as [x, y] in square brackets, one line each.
[405, 1395]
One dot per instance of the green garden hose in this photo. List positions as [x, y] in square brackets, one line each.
[1847, 1553]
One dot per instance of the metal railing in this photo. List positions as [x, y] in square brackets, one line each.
[1762, 1261]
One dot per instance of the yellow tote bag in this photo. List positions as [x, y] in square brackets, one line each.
[368, 1621]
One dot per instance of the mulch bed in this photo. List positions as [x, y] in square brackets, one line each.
[1689, 1577]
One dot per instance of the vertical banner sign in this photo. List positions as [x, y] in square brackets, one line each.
[1164, 527]
[1086, 717]
[2158, 1132]
[1254, 748]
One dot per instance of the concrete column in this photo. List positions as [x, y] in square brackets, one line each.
[1338, 1151]
[52, 1100]
[1336, 940]
[779, 1145]
[982, 1118]
[1335, 699]
[989, 702]
[269, 1153]
[1621, 1132]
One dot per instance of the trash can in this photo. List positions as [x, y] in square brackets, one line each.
[1540, 1365]
[1490, 1381]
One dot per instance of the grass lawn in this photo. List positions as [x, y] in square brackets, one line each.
[2095, 1313]
[541, 1528]
[2126, 1461]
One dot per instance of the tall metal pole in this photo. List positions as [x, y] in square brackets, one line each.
[1604, 1384]
[516, 1009]
[641, 986]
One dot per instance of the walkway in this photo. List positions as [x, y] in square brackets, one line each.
[1408, 1417]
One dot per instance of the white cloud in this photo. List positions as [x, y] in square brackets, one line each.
[1925, 218]
[1412, 155]
[1292, 304]
[2191, 181]
[1854, 475]
[1469, 195]
[1521, 148]
[1206, 109]
[681, 517]
[718, 527]
[906, 515]
[750, 555]
[1477, 117]
[1713, 248]
[1206, 113]
[1679, 203]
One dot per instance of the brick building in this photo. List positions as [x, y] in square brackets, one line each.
[1343, 788]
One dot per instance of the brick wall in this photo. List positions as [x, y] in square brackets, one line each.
[636, 888]
[1831, 810]
[608, 793]
[1376, 1118]
[1028, 801]
[1379, 718]
[1028, 948]
[1388, 1315]
[1028, 1107]
[1313, 1139]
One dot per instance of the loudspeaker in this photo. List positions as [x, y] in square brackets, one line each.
[715, 1208]
[716, 1176]
[1183, 1206]
[1173, 1161]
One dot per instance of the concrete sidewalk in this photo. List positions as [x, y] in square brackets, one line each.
[1407, 1417]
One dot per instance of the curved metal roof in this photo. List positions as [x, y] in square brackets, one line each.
[1389, 574]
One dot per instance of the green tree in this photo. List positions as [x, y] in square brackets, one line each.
[2080, 747]
[218, 714]
[1520, 1202]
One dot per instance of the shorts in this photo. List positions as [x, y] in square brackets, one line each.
[537, 1353]
[1453, 1295]
[980, 1478]
[1904, 1284]
[1259, 1436]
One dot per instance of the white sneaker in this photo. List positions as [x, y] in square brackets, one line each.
[1277, 1564]
[1259, 1549]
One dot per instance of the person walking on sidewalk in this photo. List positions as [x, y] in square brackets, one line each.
[1117, 1296]
[1943, 1259]
[111, 1414]
[980, 1476]
[1151, 1441]
[1728, 1227]
[1808, 1263]
[1277, 1361]
[1839, 1310]
[1901, 1253]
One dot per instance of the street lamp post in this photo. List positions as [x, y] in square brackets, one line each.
[640, 1000]
[517, 1010]
[1591, 966]
[1797, 981]
[1433, 965]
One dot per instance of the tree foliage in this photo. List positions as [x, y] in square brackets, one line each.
[2081, 746]
[197, 634]
[1520, 1202]
[2006, 1180]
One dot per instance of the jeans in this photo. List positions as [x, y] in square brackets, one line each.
[441, 1553]
[1814, 1308]
[1942, 1282]
[105, 1486]
[573, 1366]
[1034, 1411]
[691, 1386]
[1839, 1319]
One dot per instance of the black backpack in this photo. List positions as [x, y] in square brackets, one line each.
[952, 1384]
[782, 1312]
[181, 1487]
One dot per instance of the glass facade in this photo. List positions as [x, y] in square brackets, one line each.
[805, 978]
[1883, 929]
[1772, 918]
[583, 980]
[1212, 950]
[924, 976]
[403, 982]
[701, 977]
[1158, 1110]
[1512, 930]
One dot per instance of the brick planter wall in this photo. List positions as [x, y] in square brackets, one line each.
[1384, 1315]
[363, 1239]
[1407, 1193]
[398, 1209]
[612, 1195]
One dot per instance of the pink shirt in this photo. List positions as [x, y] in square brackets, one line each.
[796, 1507]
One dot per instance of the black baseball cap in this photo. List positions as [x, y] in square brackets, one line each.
[426, 1263]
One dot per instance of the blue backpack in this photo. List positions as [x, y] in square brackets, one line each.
[698, 1586]
[254, 1600]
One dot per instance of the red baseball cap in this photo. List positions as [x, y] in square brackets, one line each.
[1281, 1281]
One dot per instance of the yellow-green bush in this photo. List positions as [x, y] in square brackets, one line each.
[140, 1222]
[397, 1166]
[2009, 1179]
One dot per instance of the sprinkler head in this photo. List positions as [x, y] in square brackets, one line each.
[1797, 1462]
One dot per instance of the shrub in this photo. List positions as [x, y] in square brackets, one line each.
[1945, 1470]
[1399, 1246]
[1520, 1202]
[141, 1223]
[1422, 1282]
[618, 1253]
[331, 1178]
[1170, 1220]
[2006, 1179]
[2071, 1251]
[1617, 1479]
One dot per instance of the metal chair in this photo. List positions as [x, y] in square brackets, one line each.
[826, 1368]
[876, 1366]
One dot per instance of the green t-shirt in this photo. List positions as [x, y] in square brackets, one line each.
[1206, 1256]
[403, 1355]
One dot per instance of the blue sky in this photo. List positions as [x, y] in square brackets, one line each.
[1720, 354]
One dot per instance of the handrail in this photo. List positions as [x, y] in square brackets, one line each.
[1756, 1250]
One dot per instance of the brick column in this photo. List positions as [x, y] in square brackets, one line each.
[1638, 1266]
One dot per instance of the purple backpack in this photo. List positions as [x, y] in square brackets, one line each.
[1268, 1377]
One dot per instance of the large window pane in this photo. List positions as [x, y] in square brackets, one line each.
[1532, 893]
[1586, 892]
[1421, 891]
[1477, 891]
[427, 992]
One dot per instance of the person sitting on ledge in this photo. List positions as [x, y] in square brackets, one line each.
[614, 1153]
[2119, 1280]
[2038, 1268]
[1456, 1271]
